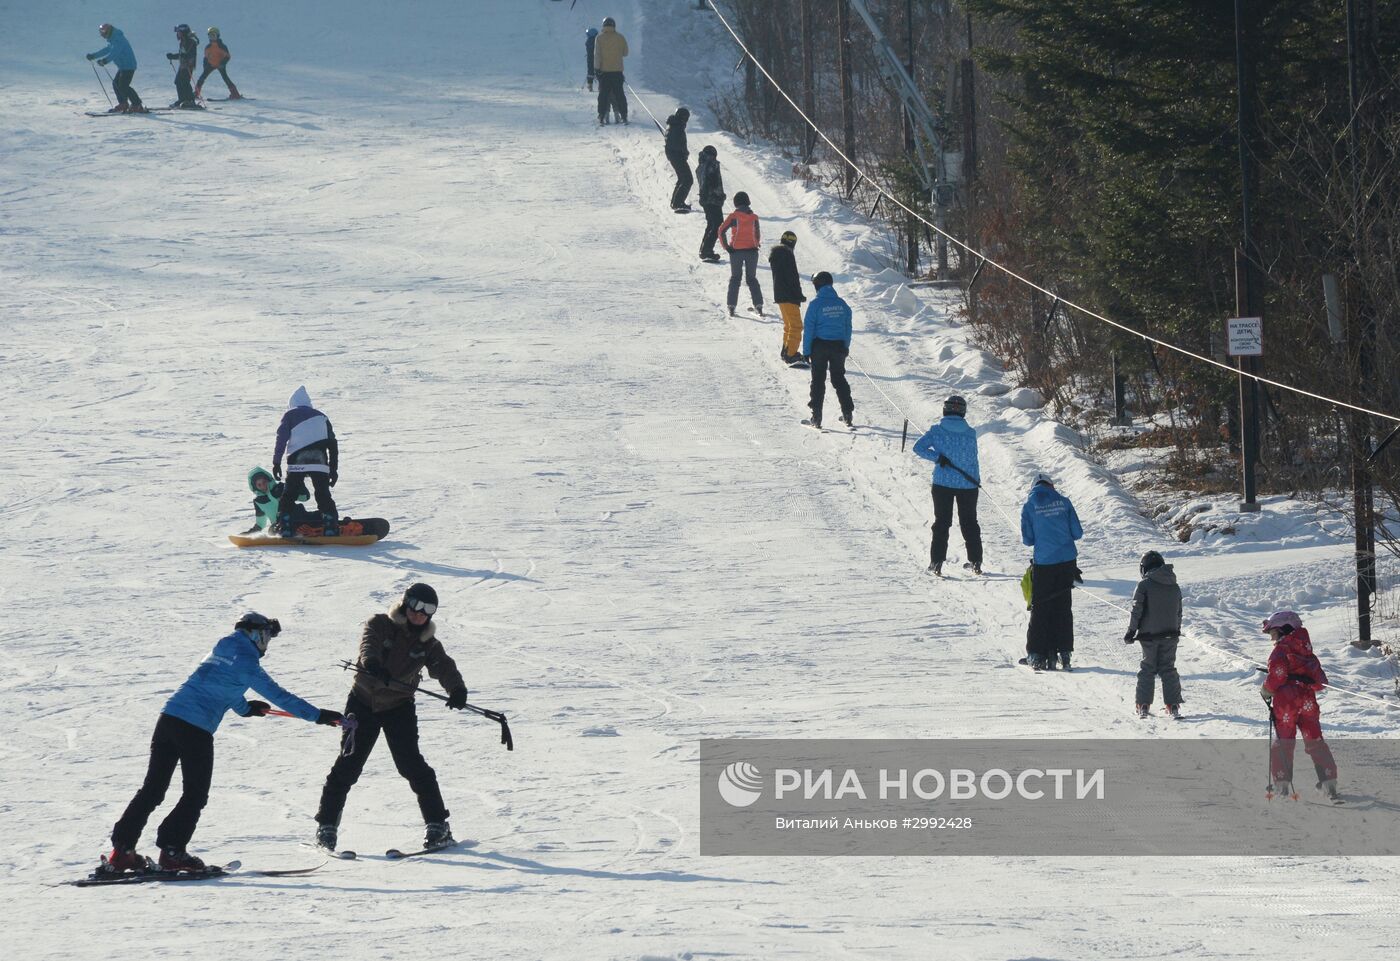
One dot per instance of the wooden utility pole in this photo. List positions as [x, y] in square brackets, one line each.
[848, 110]
[911, 223]
[1248, 303]
[809, 86]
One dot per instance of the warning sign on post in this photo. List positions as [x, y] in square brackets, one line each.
[1244, 336]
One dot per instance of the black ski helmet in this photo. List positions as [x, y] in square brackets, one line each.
[788, 239]
[182, 28]
[422, 598]
[1150, 562]
[260, 628]
[609, 22]
[105, 29]
[821, 279]
[955, 406]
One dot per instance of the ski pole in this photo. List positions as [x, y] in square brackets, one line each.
[99, 83]
[644, 107]
[496, 716]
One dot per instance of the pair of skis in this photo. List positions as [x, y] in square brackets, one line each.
[102, 877]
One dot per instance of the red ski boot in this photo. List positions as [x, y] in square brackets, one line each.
[173, 859]
[120, 861]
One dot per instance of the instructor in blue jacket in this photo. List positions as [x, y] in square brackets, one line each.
[1050, 526]
[118, 51]
[184, 735]
[952, 445]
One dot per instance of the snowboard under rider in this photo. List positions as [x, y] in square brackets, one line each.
[1290, 690]
[395, 648]
[952, 445]
[306, 436]
[1156, 625]
[184, 736]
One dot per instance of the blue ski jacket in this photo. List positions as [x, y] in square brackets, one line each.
[1050, 525]
[217, 686]
[118, 50]
[954, 439]
[827, 317]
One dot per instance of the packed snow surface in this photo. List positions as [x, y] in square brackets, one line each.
[635, 544]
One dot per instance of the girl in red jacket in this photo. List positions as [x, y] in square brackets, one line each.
[739, 235]
[1290, 690]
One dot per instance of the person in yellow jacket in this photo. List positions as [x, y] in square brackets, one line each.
[609, 50]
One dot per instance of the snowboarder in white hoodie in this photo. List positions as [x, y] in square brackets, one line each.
[305, 435]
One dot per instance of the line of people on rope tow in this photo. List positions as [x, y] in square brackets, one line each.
[1050, 527]
[395, 648]
[119, 52]
[1049, 524]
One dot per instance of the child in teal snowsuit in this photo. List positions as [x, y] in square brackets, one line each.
[266, 492]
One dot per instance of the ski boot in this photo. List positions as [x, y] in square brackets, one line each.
[438, 834]
[977, 569]
[849, 419]
[233, 93]
[1174, 711]
[178, 859]
[327, 836]
[285, 527]
[936, 568]
[812, 422]
[756, 310]
[330, 525]
[1282, 789]
[1329, 790]
[122, 860]
[119, 108]
[1144, 710]
[199, 91]
[1064, 661]
[731, 310]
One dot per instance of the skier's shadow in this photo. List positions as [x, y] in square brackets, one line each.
[389, 558]
[508, 862]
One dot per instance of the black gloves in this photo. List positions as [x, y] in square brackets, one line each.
[1078, 576]
[329, 718]
[1268, 696]
[258, 709]
[374, 667]
[944, 462]
[92, 56]
[335, 476]
[1130, 637]
[277, 471]
[104, 61]
[172, 56]
[457, 700]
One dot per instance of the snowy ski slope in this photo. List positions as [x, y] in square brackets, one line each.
[635, 544]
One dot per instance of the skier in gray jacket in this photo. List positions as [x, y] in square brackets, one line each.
[1156, 625]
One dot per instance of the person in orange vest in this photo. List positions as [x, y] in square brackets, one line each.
[216, 57]
[739, 236]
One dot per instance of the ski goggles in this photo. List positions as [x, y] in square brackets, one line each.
[422, 607]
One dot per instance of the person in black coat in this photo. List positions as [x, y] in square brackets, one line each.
[712, 197]
[787, 294]
[679, 154]
[589, 36]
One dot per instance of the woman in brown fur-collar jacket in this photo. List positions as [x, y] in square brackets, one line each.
[394, 651]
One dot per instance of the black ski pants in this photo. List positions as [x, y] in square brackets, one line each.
[943, 500]
[223, 72]
[830, 355]
[192, 748]
[611, 95]
[296, 486]
[1158, 660]
[714, 216]
[1051, 630]
[184, 90]
[684, 181]
[400, 727]
[743, 266]
[126, 93]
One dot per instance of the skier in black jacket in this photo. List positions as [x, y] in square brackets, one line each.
[787, 294]
[712, 197]
[679, 154]
[184, 71]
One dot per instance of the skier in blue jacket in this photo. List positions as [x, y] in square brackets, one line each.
[1050, 526]
[826, 342]
[952, 445]
[184, 735]
[118, 51]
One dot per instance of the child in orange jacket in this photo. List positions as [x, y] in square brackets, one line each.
[739, 235]
[216, 57]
